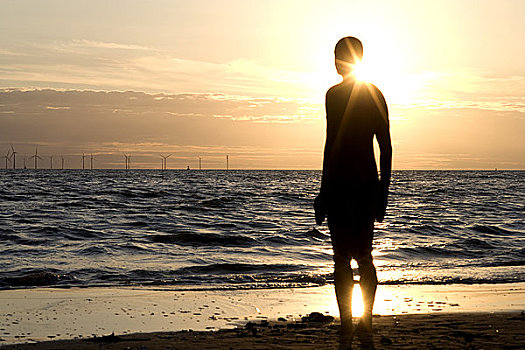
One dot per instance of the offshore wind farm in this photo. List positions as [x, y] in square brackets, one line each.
[79, 161]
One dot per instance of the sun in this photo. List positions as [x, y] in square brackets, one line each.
[397, 86]
[363, 72]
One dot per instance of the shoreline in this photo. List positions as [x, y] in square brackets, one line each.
[41, 314]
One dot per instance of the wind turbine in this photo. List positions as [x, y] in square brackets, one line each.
[7, 157]
[50, 162]
[227, 162]
[62, 163]
[36, 156]
[83, 156]
[128, 160]
[91, 161]
[165, 161]
[13, 154]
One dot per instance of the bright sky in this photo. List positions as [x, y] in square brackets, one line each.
[248, 78]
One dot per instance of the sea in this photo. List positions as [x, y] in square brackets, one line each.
[247, 229]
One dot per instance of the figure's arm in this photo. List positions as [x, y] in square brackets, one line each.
[383, 139]
[385, 158]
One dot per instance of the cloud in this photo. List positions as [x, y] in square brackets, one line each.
[180, 105]
[57, 107]
[500, 105]
[83, 63]
[471, 89]
[103, 45]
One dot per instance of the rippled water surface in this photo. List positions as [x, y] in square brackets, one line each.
[248, 229]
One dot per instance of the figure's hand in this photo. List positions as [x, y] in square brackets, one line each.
[320, 209]
[381, 202]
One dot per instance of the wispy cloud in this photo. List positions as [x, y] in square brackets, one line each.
[502, 105]
[267, 109]
[123, 66]
[104, 45]
[470, 88]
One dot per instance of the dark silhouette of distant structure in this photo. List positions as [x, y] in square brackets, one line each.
[83, 161]
[7, 157]
[165, 161]
[227, 162]
[13, 154]
[128, 160]
[36, 157]
[200, 163]
[352, 196]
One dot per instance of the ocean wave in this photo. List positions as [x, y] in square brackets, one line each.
[276, 239]
[505, 263]
[455, 280]
[20, 241]
[204, 239]
[426, 228]
[315, 233]
[77, 233]
[137, 193]
[35, 279]
[71, 204]
[489, 229]
[231, 268]
[218, 202]
[93, 250]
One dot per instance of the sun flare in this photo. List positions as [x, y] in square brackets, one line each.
[398, 87]
[363, 72]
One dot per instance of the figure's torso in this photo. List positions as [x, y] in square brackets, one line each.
[352, 117]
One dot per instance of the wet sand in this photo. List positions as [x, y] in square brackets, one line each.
[449, 316]
[418, 331]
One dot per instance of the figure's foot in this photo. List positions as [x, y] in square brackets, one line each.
[346, 337]
[346, 326]
[346, 334]
[364, 326]
[363, 331]
[345, 343]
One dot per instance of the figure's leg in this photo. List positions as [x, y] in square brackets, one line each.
[344, 283]
[368, 283]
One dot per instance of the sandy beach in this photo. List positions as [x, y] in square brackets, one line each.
[424, 316]
[417, 331]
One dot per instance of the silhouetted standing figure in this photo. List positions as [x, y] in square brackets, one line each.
[352, 196]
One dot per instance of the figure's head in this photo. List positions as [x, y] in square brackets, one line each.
[348, 52]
